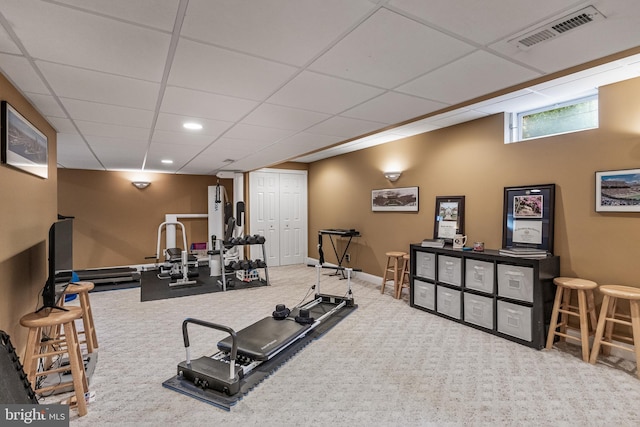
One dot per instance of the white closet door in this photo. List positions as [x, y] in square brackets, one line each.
[293, 218]
[263, 209]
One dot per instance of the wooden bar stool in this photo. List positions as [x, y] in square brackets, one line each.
[392, 267]
[585, 311]
[604, 331]
[42, 347]
[82, 290]
[404, 281]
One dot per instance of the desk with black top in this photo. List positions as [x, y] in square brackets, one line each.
[338, 232]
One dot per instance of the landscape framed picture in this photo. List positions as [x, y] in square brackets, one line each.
[395, 199]
[23, 145]
[618, 191]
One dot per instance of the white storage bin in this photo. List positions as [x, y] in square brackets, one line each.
[514, 320]
[424, 294]
[426, 265]
[478, 275]
[478, 310]
[449, 270]
[448, 302]
[515, 282]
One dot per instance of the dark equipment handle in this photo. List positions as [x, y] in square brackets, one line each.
[223, 328]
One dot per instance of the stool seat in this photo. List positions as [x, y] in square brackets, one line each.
[575, 283]
[393, 266]
[77, 287]
[619, 291]
[585, 311]
[50, 317]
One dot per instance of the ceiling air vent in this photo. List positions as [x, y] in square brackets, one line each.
[557, 27]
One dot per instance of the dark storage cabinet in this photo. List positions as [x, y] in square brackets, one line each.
[505, 296]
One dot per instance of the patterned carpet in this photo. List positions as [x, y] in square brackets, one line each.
[385, 365]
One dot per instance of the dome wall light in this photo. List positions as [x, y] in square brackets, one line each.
[392, 176]
[141, 185]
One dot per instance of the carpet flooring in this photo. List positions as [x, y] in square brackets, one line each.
[387, 364]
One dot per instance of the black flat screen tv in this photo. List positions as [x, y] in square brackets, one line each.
[60, 261]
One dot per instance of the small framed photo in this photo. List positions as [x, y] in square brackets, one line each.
[395, 199]
[23, 145]
[618, 191]
[449, 217]
[528, 217]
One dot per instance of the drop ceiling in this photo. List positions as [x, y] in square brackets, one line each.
[277, 80]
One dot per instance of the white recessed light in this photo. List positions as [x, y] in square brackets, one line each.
[167, 161]
[192, 126]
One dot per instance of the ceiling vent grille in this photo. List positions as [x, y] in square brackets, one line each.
[557, 27]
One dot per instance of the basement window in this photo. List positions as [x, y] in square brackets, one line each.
[571, 116]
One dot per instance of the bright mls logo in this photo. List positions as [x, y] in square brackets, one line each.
[35, 415]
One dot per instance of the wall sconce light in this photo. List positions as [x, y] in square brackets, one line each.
[392, 176]
[141, 184]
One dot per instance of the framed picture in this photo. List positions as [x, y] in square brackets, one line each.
[449, 219]
[528, 217]
[618, 191]
[23, 145]
[395, 199]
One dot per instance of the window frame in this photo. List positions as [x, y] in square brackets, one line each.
[515, 124]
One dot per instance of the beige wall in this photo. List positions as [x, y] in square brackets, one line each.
[27, 210]
[117, 224]
[471, 159]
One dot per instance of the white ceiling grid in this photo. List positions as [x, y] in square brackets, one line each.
[276, 80]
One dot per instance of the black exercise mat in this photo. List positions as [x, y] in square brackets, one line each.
[263, 371]
[153, 288]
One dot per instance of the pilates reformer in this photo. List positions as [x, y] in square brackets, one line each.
[248, 356]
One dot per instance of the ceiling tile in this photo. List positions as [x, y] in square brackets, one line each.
[71, 82]
[290, 31]
[204, 104]
[7, 45]
[181, 138]
[174, 122]
[393, 107]
[322, 93]
[280, 117]
[481, 21]
[513, 102]
[582, 44]
[208, 68]
[19, 71]
[105, 113]
[153, 13]
[92, 42]
[180, 154]
[345, 127]
[258, 133]
[474, 75]
[455, 117]
[62, 125]
[112, 131]
[240, 146]
[74, 153]
[46, 104]
[389, 49]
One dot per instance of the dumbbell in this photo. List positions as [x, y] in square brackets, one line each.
[251, 240]
[245, 264]
[260, 239]
[260, 263]
[235, 265]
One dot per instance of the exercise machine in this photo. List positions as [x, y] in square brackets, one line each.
[178, 266]
[248, 356]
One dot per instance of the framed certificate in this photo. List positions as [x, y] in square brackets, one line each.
[528, 217]
[449, 217]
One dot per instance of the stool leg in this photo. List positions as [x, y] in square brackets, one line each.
[584, 324]
[87, 321]
[564, 317]
[30, 355]
[554, 317]
[600, 329]
[396, 281]
[635, 322]
[608, 330]
[384, 276]
[591, 308]
[77, 368]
